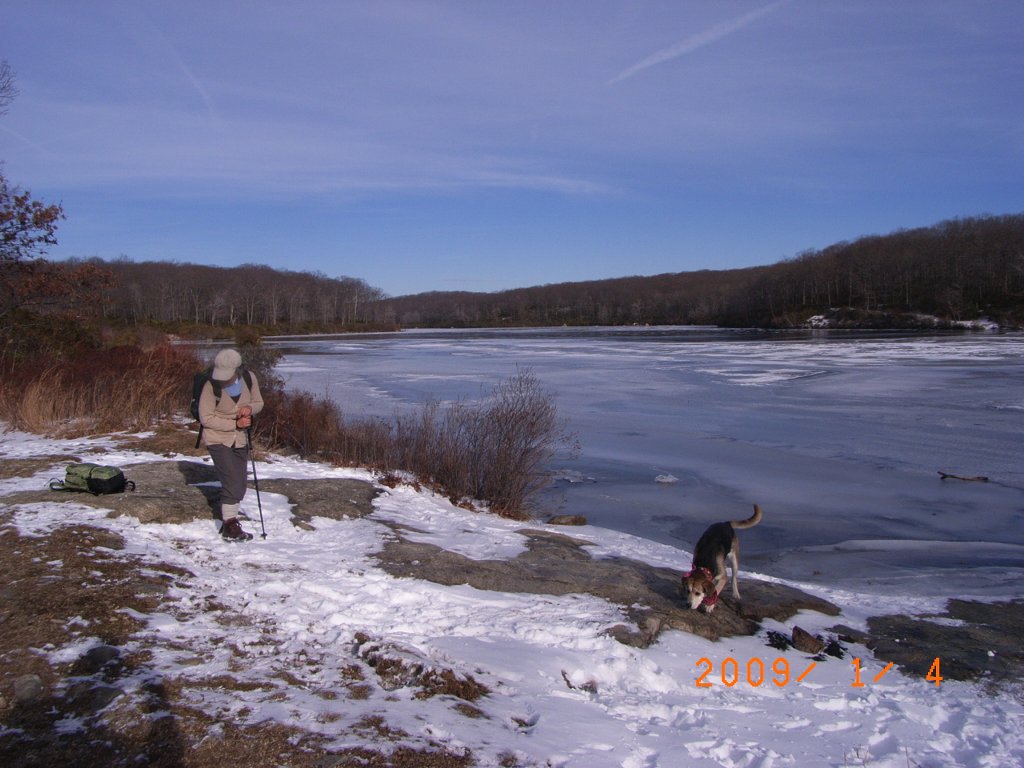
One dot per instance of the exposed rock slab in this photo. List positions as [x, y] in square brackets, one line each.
[555, 564]
[973, 641]
[165, 492]
[182, 491]
[333, 498]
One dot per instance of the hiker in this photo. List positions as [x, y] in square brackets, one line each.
[225, 424]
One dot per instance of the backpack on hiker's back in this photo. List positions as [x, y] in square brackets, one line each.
[199, 381]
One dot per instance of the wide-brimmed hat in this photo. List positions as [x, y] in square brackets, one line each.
[225, 364]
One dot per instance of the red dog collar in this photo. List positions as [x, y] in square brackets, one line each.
[711, 597]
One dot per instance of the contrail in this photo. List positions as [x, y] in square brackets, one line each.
[211, 109]
[28, 142]
[691, 44]
[200, 89]
[144, 30]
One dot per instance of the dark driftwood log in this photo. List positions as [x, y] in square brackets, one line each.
[976, 479]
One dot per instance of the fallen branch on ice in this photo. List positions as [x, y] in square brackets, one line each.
[976, 479]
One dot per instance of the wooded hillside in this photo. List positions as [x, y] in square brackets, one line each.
[956, 270]
[255, 295]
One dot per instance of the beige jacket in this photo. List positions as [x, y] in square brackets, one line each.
[218, 417]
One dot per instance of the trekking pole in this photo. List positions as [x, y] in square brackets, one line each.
[255, 480]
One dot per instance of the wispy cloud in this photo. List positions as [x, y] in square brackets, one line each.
[145, 146]
[698, 41]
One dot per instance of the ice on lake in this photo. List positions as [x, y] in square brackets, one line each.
[838, 436]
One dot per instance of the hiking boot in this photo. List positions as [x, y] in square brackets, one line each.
[232, 529]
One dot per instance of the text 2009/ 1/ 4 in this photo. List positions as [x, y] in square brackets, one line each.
[781, 674]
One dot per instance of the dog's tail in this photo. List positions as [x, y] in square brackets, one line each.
[750, 522]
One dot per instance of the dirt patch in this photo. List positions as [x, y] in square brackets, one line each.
[399, 667]
[28, 467]
[403, 757]
[555, 564]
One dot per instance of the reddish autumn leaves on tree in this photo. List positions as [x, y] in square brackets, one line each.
[27, 226]
[39, 299]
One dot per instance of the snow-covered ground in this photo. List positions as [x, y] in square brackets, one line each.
[563, 693]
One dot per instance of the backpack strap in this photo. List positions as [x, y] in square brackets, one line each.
[215, 386]
[218, 388]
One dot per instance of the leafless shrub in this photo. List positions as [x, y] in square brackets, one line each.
[493, 450]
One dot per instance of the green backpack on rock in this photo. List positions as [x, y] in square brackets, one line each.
[93, 478]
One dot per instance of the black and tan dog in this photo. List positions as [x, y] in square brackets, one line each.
[705, 581]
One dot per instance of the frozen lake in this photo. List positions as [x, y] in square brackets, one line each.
[839, 436]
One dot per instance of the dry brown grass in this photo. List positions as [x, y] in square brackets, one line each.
[122, 388]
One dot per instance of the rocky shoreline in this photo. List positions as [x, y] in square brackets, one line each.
[976, 641]
[98, 585]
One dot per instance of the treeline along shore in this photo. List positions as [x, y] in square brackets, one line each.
[84, 344]
[955, 271]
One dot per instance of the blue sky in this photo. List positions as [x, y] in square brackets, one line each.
[485, 145]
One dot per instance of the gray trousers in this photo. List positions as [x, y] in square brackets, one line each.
[232, 467]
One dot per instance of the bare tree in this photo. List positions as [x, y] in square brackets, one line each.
[8, 91]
